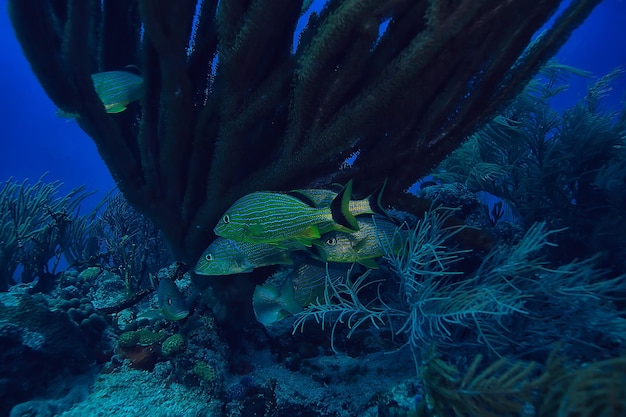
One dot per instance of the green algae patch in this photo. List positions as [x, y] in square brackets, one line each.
[141, 337]
[172, 345]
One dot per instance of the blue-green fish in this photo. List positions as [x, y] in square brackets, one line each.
[172, 302]
[289, 292]
[375, 237]
[273, 217]
[116, 90]
[226, 256]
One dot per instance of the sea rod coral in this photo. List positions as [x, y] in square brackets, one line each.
[232, 106]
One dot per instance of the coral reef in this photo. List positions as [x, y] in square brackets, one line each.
[231, 105]
[131, 245]
[561, 167]
[38, 342]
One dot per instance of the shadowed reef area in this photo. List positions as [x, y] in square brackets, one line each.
[232, 106]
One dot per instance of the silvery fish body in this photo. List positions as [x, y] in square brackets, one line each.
[289, 292]
[273, 217]
[172, 302]
[309, 280]
[376, 236]
[226, 256]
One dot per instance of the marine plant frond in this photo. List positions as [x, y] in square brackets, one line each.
[425, 253]
[583, 280]
[509, 262]
[552, 79]
[343, 304]
[601, 88]
[511, 387]
[36, 225]
[591, 389]
[505, 387]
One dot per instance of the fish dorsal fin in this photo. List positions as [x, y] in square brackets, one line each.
[302, 196]
[340, 208]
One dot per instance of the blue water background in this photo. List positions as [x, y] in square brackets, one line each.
[33, 140]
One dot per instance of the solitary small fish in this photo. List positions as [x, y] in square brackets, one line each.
[273, 217]
[116, 90]
[172, 302]
[225, 256]
[375, 237]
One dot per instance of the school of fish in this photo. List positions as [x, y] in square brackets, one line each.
[307, 230]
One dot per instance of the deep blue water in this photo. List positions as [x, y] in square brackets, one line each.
[34, 140]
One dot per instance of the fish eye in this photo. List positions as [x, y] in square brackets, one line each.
[226, 219]
[170, 302]
[208, 257]
[331, 241]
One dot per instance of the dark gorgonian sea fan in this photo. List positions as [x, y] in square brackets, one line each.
[231, 105]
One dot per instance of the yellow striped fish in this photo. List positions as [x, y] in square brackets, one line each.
[116, 90]
[375, 236]
[273, 217]
[225, 256]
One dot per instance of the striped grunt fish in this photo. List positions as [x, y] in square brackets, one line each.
[116, 90]
[273, 217]
[289, 292]
[226, 256]
[376, 236]
[320, 197]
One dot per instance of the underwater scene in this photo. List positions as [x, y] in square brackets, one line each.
[335, 208]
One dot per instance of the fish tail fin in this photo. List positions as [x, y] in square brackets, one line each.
[340, 208]
[272, 304]
[375, 200]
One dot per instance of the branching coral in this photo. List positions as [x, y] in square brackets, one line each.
[512, 388]
[36, 226]
[130, 244]
[512, 299]
[271, 115]
[563, 168]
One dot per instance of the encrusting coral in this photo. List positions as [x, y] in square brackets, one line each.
[231, 105]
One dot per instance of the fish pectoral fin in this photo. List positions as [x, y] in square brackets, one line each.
[255, 230]
[307, 242]
[369, 263]
[317, 252]
[285, 259]
[359, 245]
[311, 233]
